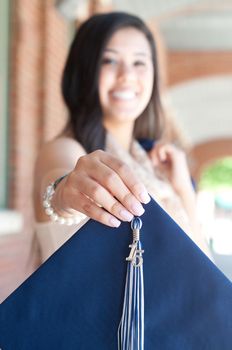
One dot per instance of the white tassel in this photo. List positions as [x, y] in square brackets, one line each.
[131, 327]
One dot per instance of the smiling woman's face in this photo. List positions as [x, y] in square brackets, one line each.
[126, 77]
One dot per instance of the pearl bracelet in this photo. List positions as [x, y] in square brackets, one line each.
[50, 211]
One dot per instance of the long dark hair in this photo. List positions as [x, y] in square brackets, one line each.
[80, 81]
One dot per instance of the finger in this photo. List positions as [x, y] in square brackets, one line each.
[103, 197]
[162, 153]
[154, 157]
[166, 152]
[113, 182]
[92, 210]
[129, 179]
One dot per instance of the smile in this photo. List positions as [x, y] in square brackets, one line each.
[124, 95]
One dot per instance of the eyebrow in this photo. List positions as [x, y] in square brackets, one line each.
[144, 54]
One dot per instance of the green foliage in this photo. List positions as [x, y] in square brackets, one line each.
[217, 176]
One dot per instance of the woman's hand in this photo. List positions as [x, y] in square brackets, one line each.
[103, 188]
[171, 161]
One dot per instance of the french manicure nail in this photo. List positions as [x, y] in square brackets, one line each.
[114, 222]
[137, 209]
[144, 197]
[126, 215]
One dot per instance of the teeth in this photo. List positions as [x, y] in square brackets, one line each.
[125, 95]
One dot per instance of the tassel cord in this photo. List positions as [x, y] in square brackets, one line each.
[131, 327]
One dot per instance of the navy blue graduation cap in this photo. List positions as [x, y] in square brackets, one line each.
[75, 299]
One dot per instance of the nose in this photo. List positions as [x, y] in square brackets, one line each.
[126, 72]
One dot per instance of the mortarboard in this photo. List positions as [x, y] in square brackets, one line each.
[75, 299]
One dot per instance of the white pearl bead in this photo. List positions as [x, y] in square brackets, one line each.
[54, 217]
[69, 221]
[61, 220]
[77, 219]
[49, 211]
[50, 190]
[46, 204]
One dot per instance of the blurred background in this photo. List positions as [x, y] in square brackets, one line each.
[194, 41]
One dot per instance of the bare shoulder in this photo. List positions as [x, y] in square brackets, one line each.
[62, 151]
[56, 158]
[62, 145]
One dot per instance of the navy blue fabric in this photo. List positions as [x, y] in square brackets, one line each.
[74, 300]
[147, 144]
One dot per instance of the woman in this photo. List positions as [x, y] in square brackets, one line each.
[111, 89]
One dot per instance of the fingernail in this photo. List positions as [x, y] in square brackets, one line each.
[137, 209]
[126, 215]
[114, 222]
[144, 197]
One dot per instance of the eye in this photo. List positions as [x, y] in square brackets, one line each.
[109, 61]
[139, 63]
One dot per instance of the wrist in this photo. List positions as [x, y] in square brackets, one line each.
[51, 199]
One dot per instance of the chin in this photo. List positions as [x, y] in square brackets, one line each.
[127, 114]
[125, 117]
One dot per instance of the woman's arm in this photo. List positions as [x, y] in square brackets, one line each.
[55, 159]
[98, 185]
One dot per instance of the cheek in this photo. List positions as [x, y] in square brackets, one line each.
[105, 79]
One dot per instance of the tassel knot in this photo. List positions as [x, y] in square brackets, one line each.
[136, 225]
